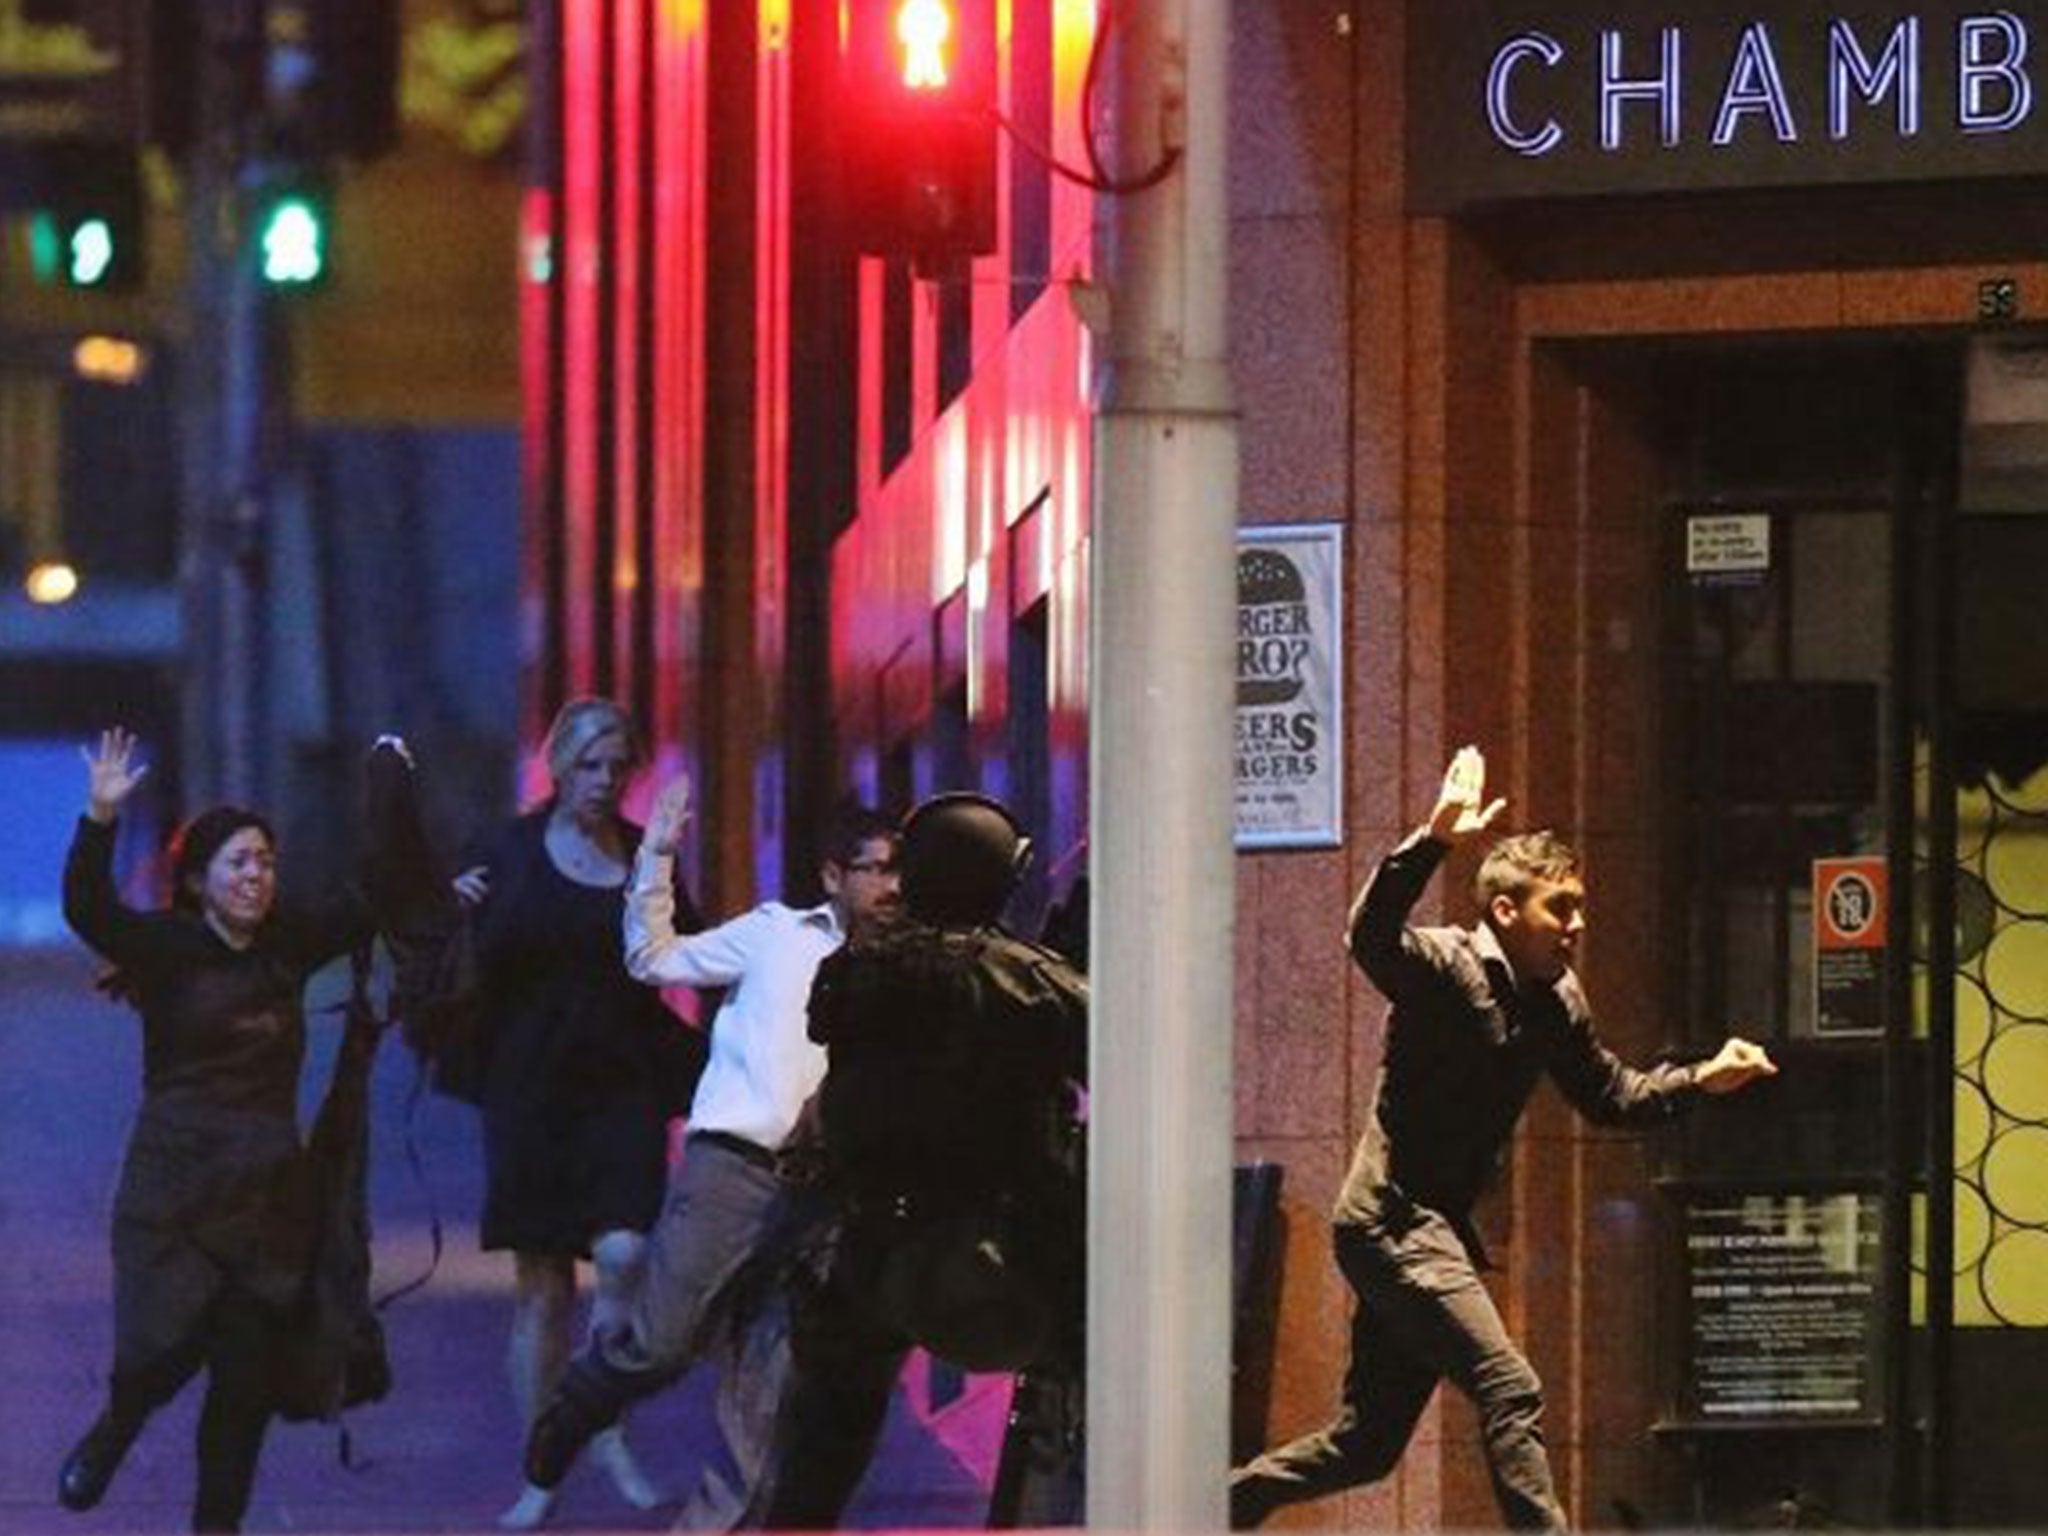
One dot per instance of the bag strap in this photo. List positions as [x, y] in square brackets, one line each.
[416, 1161]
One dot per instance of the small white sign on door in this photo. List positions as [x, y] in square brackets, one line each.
[1728, 548]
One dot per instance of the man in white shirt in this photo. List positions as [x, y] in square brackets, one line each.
[726, 1200]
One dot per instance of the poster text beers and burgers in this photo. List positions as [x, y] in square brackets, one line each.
[1289, 737]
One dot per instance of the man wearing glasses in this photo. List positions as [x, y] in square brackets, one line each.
[728, 1203]
[951, 1149]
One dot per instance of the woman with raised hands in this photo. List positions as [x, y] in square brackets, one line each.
[210, 1255]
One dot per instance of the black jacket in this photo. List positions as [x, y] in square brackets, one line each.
[1465, 1046]
[951, 1053]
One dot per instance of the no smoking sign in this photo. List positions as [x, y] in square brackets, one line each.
[1848, 942]
[1851, 903]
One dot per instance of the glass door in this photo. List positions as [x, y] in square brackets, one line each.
[1801, 480]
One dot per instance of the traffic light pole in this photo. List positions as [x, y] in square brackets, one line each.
[232, 392]
[1162, 678]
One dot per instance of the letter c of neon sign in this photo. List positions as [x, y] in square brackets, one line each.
[1499, 76]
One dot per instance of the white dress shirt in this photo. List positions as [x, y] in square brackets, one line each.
[763, 1066]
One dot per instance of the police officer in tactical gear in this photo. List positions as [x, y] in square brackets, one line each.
[947, 1114]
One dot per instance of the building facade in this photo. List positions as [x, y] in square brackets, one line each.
[1675, 387]
[820, 518]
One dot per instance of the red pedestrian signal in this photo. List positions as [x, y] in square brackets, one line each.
[924, 31]
[921, 104]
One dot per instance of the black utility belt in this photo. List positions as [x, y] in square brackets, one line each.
[741, 1148]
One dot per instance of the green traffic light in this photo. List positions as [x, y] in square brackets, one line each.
[79, 250]
[44, 243]
[89, 254]
[294, 242]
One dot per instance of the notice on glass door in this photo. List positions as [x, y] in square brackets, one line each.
[1849, 941]
[1728, 549]
[1783, 1300]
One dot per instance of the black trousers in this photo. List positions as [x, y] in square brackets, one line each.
[236, 1341]
[1422, 1316]
[1042, 1474]
[849, 1337]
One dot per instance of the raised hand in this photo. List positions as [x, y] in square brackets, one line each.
[112, 774]
[670, 815]
[1460, 805]
[473, 885]
[1737, 1064]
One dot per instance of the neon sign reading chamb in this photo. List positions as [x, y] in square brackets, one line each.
[1994, 86]
[1717, 93]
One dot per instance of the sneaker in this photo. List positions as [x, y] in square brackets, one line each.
[530, 1511]
[610, 1451]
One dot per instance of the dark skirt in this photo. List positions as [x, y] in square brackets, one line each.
[557, 1177]
[207, 1202]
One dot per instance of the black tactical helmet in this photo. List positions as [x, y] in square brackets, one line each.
[962, 855]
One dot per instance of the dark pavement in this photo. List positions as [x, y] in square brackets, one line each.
[441, 1454]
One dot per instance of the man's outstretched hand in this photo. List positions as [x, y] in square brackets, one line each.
[1737, 1064]
[1461, 807]
[670, 815]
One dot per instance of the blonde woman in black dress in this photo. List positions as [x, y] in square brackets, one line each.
[576, 1068]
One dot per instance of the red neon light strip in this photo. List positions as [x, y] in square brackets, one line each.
[582, 259]
[628, 407]
[537, 402]
[677, 406]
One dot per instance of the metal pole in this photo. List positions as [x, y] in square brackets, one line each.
[226, 394]
[1901, 1145]
[1162, 678]
[1933, 505]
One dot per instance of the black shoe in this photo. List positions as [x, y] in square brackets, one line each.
[1251, 1500]
[591, 1398]
[93, 1462]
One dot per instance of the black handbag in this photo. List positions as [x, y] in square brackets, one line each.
[441, 999]
[334, 1354]
[437, 989]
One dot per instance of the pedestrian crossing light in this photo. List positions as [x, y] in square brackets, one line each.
[924, 31]
[920, 102]
[89, 232]
[292, 239]
[89, 252]
[78, 253]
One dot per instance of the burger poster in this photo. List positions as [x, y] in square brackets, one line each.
[1290, 645]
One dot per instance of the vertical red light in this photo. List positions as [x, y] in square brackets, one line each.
[537, 340]
[628, 401]
[580, 274]
[676, 406]
[771, 438]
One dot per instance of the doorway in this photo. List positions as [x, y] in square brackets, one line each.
[1852, 703]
